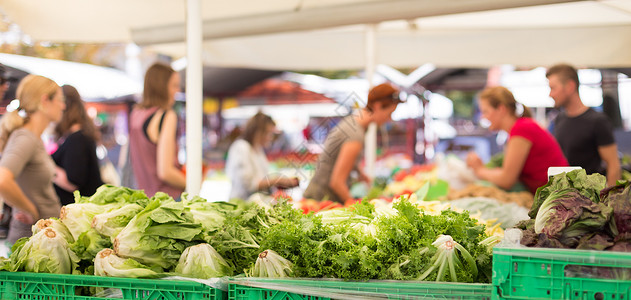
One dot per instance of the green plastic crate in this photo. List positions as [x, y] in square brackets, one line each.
[541, 273]
[299, 289]
[41, 286]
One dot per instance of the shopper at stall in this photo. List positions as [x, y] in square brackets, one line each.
[26, 170]
[152, 134]
[246, 164]
[586, 136]
[77, 164]
[343, 146]
[529, 151]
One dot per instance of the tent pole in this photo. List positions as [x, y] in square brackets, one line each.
[220, 118]
[370, 142]
[193, 96]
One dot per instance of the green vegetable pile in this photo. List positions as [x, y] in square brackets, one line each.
[121, 232]
[357, 243]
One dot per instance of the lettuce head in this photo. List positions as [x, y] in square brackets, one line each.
[202, 261]
[568, 215]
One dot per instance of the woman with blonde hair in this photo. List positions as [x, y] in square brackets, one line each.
[530, 149]
[152, 134]
[26, 169]
[76, 155]
[247, 166]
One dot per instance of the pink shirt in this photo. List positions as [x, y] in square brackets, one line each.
[544, 152]
[144, 155]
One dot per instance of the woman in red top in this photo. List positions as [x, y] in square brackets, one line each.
[530, 149]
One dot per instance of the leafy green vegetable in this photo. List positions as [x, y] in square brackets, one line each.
[202, 261]
[244, 228]
[270, 264]
[342, 216]
[446, 257]
[622, 243]
[5, 264]
[45, 252]
[107, 263]
[78, 216]
[619, 199]
[587, 185]
[157, 235]
[54, 223]
[595, 241]
[108, 194]
[568, 216]
[111, 223]
[89, 243]
[211, 215]
[152, 236]
[338, 244]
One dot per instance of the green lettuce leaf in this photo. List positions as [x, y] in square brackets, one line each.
[107, 263]
[202, 261]
[587, 185]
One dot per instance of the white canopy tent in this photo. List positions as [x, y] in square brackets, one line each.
[586, 33]
[312, 34]
[289, 34]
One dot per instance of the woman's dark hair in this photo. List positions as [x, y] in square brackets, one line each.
[156, 89]
[256, 125]
[75, 113]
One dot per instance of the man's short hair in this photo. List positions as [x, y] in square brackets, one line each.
[565, 73]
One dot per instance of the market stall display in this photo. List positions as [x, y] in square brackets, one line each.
[276, 248]
[99, 235]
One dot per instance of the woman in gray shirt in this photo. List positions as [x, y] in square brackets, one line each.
[26, 169]
[343, 146]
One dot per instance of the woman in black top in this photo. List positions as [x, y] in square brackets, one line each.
[77, 164]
